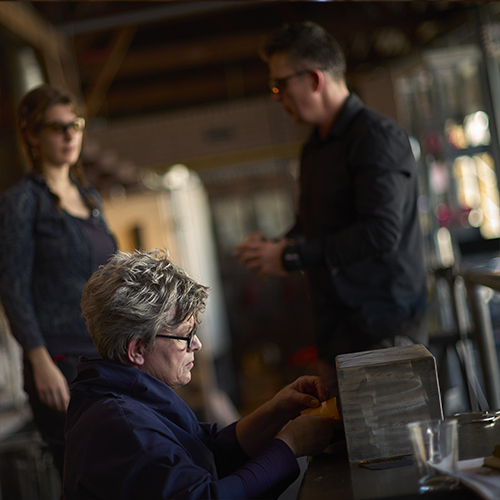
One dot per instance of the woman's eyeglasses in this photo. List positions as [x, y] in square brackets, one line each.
[59, 128]
[188, 339]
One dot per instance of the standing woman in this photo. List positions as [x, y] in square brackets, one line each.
[52, 238]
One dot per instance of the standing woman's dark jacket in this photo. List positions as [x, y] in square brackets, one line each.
[46, 257]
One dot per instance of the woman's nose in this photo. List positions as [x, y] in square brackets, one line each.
[69, 134]
[196, 345]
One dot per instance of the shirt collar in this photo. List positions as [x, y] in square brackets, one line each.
[105, 378]
[352, 106]
[36, 177]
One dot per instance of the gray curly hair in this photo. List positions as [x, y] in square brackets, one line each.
[134, 296]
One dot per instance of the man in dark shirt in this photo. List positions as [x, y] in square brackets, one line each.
[357, 233]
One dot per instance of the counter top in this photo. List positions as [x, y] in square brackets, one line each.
[331, 476]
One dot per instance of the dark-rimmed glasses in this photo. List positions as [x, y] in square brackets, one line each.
[188, 339]
[59, 128]
[277, 85]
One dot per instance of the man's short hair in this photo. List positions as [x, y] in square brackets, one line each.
[307, 43]
[135, 296]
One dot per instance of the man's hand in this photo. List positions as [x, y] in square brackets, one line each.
[251, 238]
[255, 252]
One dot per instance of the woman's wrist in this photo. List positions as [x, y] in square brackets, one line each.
[280, 412]
[39, 356]
[288, 438]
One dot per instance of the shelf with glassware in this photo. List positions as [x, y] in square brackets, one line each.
[443, 102]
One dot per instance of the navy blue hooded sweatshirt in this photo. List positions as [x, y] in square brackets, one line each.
[128, 435]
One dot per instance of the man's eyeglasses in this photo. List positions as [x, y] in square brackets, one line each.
[188, 339]
[277, 85]
[59, 128]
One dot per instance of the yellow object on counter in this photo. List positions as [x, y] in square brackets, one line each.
[494, 460]
[327, 408]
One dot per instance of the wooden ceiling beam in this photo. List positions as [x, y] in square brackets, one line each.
[29, 26]
[96, 95]
[165, 12]
[149, 97]
[181, 92]
[178, 56]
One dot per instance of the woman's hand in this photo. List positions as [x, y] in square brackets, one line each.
[264, 423]
[305, 392]
[308, 434]
[50, 383]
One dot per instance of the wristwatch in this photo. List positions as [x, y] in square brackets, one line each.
[291, 259]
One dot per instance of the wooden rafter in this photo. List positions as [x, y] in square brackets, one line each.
[185, 90]
[99, 87]
[192, 54]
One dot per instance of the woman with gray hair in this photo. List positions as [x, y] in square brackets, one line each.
[129, 435]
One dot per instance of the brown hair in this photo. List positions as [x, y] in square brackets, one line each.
[307, 42]
[30, 115]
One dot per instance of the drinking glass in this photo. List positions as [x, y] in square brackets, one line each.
[435, 451]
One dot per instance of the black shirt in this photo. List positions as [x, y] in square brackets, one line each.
[103, 244]
[357, 232]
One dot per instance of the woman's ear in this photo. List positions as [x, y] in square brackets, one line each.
[31, 138]
[135, 352]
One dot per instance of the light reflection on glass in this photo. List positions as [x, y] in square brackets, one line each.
[475, 218]
[476, 127]
[490, 199]
[423, 204]
[443, 214]
[455, 135]
[477, 190]
[438, 175]
[475, 131]
[465, 172]
[445, 247]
